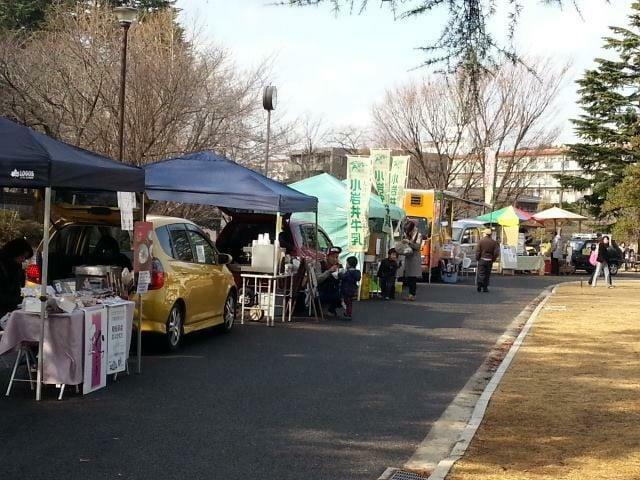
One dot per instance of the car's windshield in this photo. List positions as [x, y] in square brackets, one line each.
[457, 231]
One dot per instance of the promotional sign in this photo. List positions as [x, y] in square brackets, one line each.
[381, 164]
[490, 160]
[95, 365]
[117, 347]
[126, 204]
[521, 244]
[143, 254]
[359, 183]
[398, 179]
[142, 246]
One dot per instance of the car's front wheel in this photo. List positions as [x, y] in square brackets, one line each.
[229, 314]
[175, 328]
[613, 268]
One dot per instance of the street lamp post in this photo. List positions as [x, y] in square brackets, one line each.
[269, 100]
[126, 16]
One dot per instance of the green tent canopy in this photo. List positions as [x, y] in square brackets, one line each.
[332, 195]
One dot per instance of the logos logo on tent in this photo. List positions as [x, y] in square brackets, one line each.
[23, 174]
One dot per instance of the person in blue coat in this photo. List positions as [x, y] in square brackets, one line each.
[349, 285]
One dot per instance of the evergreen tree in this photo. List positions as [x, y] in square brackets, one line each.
[623, 201]
[609, 130]
[30, 14]
[143, 5]
[22, 14]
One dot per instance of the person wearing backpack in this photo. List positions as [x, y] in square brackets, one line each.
[602, 257]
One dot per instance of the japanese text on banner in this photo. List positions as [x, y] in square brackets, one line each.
[381, 162]
[397, 180]
[359, 183]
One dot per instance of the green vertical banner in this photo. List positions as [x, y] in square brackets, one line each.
[359, 183]
[398, 179]
[381, 164]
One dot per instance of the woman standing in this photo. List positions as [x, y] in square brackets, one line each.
[413, 260]
[602, 263]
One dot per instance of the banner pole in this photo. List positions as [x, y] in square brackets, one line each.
[43, 289]
[139, 337]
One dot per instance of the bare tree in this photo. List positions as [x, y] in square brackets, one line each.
[64, 80]
[446, 125]
[428, 119]
[350, 139]
[312, 135]
[513, 115]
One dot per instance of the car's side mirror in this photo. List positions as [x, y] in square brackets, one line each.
[224, 259]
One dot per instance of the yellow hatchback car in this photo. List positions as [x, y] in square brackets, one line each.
[191, 287]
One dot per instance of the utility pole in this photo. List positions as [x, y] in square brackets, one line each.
[561, 185]
[126, 16]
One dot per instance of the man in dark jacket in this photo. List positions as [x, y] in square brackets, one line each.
[12, 277]
[387, 275]
[328, 281]
[488, 251]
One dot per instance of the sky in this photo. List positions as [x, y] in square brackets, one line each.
[337, 67]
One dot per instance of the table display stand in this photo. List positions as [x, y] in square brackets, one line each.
[265, 288]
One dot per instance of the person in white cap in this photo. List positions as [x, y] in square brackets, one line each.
[488, 252]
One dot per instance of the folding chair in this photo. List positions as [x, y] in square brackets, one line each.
[23, 352]
[466, 263]
[4, 362]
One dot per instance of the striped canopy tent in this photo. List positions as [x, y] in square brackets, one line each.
[510, 217]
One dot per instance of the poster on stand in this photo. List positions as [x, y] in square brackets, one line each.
[95, 361]
[126, 204]
[143, 254]
[359, 183]
[117, 347]
[142, 246]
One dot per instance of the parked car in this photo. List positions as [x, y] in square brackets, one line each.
[298, 238]
[582, 251]
[191, 287]
[467, 234]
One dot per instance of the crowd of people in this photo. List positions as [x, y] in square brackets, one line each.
[338, 286]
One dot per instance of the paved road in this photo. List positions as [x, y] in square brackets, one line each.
[335, 400]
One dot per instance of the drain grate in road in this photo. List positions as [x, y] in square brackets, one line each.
[401, 475]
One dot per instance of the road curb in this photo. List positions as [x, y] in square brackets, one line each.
[451, 434]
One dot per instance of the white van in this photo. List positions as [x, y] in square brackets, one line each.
[466, 234]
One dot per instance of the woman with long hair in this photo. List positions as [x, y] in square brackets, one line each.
[602, 263]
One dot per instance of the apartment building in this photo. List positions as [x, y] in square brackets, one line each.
[534, 170]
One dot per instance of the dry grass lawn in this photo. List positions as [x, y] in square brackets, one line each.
[569, 406]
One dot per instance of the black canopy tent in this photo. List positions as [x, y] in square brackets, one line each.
[207, 178]
[29, 159]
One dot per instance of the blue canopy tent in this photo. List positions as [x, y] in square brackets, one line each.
[210, 179]
[207, 178]
[29, 159]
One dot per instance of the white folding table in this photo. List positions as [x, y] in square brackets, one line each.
[268, 295]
